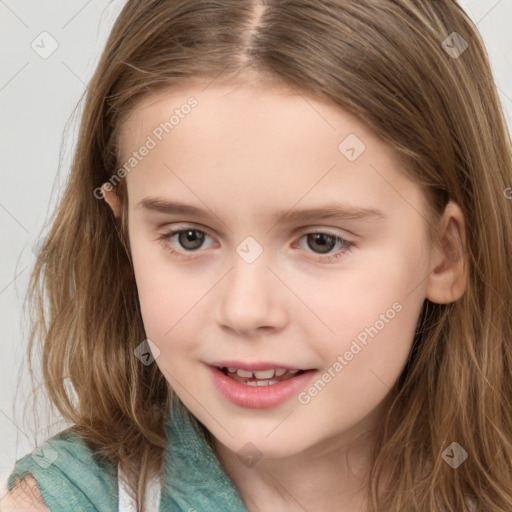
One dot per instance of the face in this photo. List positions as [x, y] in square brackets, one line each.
[227, 279]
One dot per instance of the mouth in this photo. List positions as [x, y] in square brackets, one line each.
[265, 387]
[260, 377]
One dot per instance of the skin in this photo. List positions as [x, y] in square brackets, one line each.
[25, 497]
[243, 153]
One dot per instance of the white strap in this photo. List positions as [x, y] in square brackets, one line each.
[127, 503]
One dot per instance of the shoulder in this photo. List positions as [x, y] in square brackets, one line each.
[24, 497]
[64, 474]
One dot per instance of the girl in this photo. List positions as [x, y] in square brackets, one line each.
[279, 275]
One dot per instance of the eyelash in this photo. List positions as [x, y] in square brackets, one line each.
[347, 244]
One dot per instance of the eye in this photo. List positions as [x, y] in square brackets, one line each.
[190, 240]
[326, 242]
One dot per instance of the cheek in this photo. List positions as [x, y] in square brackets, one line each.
[372, 311]
[374, 284]
[366, 356]
[166, 291]
[371, 362]
[176, 304]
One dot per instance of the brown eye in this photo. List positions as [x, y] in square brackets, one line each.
[185, 239]
[326, 246]
[321, 242]
[190, 239]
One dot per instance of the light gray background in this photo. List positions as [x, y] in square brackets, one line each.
[37, 98]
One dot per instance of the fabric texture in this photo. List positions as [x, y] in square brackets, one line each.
[194, 480]
[71, 477]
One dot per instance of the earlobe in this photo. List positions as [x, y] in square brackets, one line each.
[111, 198]
[448, 278]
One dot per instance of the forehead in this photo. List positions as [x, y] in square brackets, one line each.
[255, 142]
[262, 112]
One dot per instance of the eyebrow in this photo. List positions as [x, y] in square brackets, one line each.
[329, 211]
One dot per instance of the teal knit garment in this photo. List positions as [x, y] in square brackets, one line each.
[71, 477]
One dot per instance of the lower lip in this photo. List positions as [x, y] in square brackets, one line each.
[259, 397]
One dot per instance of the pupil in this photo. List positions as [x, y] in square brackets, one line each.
[322, 240]
[190, 237]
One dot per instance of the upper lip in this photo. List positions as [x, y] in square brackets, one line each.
[254, 365]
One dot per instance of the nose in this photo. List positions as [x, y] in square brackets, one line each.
[251, 298]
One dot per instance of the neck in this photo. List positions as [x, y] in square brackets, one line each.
[327, 474]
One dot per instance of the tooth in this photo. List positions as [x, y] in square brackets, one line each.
[280, 372]
[231, 370]
[244, 373]
[293, 371]
[261, 382]
[264, 374]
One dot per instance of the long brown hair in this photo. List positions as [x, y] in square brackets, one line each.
[387, 62]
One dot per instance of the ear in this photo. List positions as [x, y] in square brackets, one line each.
[111, 198]
[448, 279]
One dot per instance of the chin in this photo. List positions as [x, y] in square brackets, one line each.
[257, 444]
